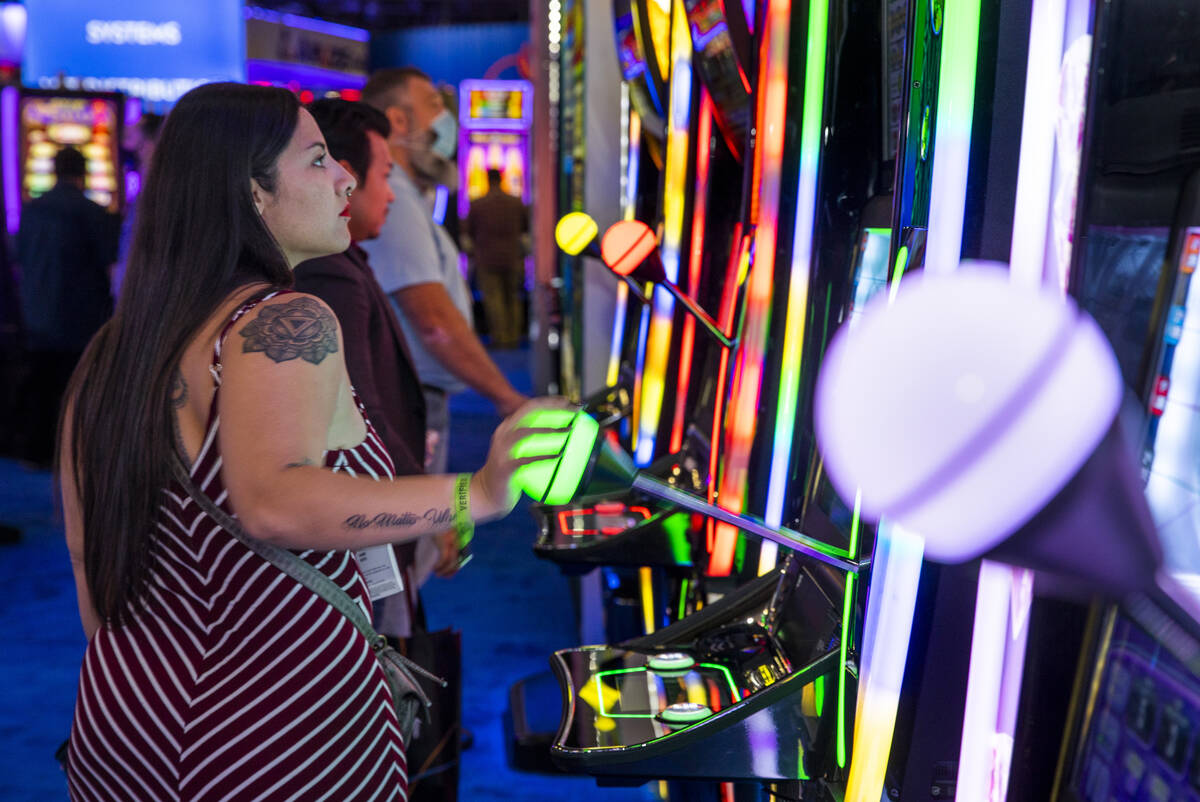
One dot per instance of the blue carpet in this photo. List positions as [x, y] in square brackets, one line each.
[513, 610]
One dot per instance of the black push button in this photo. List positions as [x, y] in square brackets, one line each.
[1143, 706]
[1173, 737]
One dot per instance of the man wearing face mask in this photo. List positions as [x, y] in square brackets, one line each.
[416, 261]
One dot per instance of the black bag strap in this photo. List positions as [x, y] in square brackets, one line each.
[306, 575]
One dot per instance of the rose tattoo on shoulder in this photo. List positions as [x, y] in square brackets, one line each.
[298, 329]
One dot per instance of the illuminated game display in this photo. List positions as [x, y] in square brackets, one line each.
[46, 122]
[494, 119]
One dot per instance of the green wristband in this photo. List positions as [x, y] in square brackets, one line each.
[464, 524]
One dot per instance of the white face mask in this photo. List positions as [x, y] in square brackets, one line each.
[445, 131]
[431, 152]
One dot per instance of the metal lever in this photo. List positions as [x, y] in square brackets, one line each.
[789, 538]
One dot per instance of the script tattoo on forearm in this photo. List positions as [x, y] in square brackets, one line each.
[382, 520]
[301, 328]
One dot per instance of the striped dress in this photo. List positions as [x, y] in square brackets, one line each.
[234, 681]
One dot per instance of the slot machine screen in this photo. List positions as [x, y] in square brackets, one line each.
[871, 273]
[1119, 284]
[494, 118]
[1140, 744]
[88, 122]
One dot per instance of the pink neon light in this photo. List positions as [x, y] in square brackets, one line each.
[9, 148]
[748, 381]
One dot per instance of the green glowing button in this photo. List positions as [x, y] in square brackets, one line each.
[937, 13]
[574, 232]
[670, 661]
[554, 481]
[685, 713]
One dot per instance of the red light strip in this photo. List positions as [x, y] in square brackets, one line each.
[747, 384]
[695, 262]
[603, 508]
[737, 252]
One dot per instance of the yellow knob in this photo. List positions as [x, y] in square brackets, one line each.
[575, 231]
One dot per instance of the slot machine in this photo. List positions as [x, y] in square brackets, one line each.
[38, 123]
[1135, 704]
[755, 686]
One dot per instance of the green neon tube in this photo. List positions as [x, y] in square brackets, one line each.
[802, 246]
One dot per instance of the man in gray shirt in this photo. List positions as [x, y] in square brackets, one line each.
[417, 263]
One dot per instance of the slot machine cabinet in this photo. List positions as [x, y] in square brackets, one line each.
[1135, 705]
[46, 121]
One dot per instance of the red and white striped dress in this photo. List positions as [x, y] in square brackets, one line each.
[234, 681]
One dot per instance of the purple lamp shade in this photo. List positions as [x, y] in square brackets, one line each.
[964, 407]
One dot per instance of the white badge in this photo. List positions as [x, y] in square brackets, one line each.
[378, 564]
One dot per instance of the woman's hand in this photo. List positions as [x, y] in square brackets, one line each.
[494, 489]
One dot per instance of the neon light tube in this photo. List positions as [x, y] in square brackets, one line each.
[695, 262]
[998, 641]
[646, 584]
[843, 648]
[895, 588]
[747, 384]
[891, 601]
[983, 684]
[952, 138]
[631, 155]
[844, 643]
[674, 202]
[10, 135]
[1005, 594]
[1031, 215]
[768, 554]
[898, 272]
[1020, 604]
[802, 241]
[613, 374]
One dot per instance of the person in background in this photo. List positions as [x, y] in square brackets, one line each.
[213, 413]
[417, 263]
[496, 225]
[139, 140]
[377, 357]
[65, 245]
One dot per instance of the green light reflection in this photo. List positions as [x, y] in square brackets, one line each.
[599, 675]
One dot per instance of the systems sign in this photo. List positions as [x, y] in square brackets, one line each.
[152, 49]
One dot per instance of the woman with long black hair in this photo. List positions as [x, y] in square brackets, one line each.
[210, 673]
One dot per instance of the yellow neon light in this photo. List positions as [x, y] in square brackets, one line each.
[592, 698]
[646, 583]
[659, 14]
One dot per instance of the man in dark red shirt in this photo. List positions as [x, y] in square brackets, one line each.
[377, 356]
